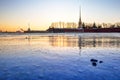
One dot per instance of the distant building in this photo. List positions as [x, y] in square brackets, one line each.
[29, 29]
[63, 25]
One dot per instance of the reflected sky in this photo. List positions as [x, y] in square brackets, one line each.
[59, 57]
[58, 43]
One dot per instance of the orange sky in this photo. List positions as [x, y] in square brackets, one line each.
[40, 14]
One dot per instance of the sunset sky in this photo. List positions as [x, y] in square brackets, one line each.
[15, 14]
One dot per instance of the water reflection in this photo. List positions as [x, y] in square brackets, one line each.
[64, 41]
[47, 57]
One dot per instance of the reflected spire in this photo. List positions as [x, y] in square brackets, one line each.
[80, 45]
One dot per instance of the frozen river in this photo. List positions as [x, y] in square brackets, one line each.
[86, 56]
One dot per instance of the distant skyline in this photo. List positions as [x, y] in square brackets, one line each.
[16, 14]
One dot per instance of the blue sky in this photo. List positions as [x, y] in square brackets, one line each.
[41, 13]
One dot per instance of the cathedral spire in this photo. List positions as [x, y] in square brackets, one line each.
[80, 21]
